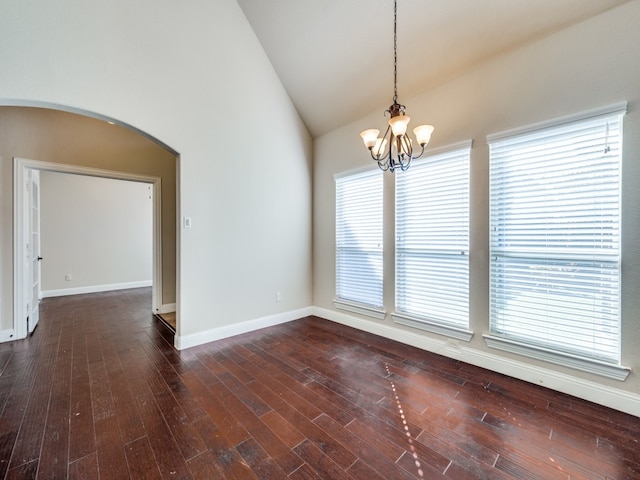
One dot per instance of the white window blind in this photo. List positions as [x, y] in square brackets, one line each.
[555, 238]
[432, 239]
[359, 237]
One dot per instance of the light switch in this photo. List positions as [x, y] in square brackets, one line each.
[187, 222]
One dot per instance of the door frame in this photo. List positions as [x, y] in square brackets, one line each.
[20, 167]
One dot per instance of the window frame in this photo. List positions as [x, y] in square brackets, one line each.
[353, 304]
[421, 245]
[605, 367]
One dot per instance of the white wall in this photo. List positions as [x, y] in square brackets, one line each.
[98, 230]
[590, 65]
[196, 78]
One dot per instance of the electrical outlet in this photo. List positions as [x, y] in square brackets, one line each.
[278, 296]
[67, 277]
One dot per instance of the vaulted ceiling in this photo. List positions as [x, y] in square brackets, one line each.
[335, 57]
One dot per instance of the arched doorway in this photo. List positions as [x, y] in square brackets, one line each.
[84, 142]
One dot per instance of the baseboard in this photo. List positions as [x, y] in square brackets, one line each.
[167, 308]
[186, 341]
[7, 335]
[94, 289]
[607, 396]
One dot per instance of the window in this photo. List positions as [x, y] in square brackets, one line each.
[432, 244]
[359, 236]
[555, 241]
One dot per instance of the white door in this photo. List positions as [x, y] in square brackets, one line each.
[32, 237]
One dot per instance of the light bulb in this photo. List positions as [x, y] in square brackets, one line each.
[369, 137]
[399, 124]
[423, 134]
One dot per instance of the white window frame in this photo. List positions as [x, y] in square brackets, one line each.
[360, 255]
[432, 235]
[499, 338]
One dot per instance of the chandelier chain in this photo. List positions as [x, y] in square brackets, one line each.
[394, 150]
[395, 51]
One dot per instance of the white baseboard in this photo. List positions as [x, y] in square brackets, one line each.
[594, 392]
[186, 341]
[7, 335]
[94, 289]
[167, 308]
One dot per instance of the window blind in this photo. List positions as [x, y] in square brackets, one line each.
[359, 237]
[432, 239]
[555, 238]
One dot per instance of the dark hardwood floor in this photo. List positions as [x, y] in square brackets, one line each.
[99, 392]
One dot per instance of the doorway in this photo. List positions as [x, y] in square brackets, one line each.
[27, 256]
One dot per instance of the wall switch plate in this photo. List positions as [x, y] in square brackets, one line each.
[67, 277]
[186, 222]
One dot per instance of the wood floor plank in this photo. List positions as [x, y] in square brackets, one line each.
[305, 472]
[261, 463]
[178, 422]
[285, 430]
[312, 432]
[81, 427]
[7, 442]
[322, 463]
[314, 404]
[112, 462]
[142, 463]
[128, 417]
[167, 452]
[362, 470]
[222, 454]
[85, 468]
[216, 411]
[27, 471]
[81, 430]
[205, 467]
[29, 440]
[54, 454]
[261, 434]
[369, 450]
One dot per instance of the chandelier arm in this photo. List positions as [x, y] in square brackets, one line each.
[387, 134]
[385, 152]
[404, 153]
[406, 146]
[384, 166]
[374, 157]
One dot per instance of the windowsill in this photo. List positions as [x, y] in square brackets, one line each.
[617, 372]
[433, 327]
[367, 311]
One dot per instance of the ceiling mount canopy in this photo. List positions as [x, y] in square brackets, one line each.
[395, 148]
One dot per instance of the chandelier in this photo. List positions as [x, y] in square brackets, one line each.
[395, 148]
